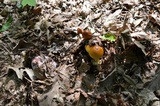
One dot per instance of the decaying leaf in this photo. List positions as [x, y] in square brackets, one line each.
[20, 72]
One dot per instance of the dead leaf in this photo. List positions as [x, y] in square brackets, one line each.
[111, 18]
[140, 46]
[20, 72]
[137, 22]
[139, 34]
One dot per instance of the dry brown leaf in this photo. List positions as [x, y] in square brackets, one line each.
[20, 72]
[111, 18]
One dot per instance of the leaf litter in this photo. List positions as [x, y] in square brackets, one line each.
[44, 61]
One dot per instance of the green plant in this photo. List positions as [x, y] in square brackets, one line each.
[109, 36]
[29, 2]
[7, 25]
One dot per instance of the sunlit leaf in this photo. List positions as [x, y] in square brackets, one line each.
[29, 2]
[109, 36]
[6, 26]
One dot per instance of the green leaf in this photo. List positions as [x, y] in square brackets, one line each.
[29, 2]
[6, 26]
[109, 36]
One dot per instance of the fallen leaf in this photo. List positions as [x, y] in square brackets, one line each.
[111, 18]
[20, 71]
[137, 22]
[141, 34]
[139, 45]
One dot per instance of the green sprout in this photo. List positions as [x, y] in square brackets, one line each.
[109, 36]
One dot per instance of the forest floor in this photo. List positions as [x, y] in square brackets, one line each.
[44, 59]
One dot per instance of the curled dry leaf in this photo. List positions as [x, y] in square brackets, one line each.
[20, 72]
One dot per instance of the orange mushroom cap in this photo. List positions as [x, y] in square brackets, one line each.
[95, 52]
